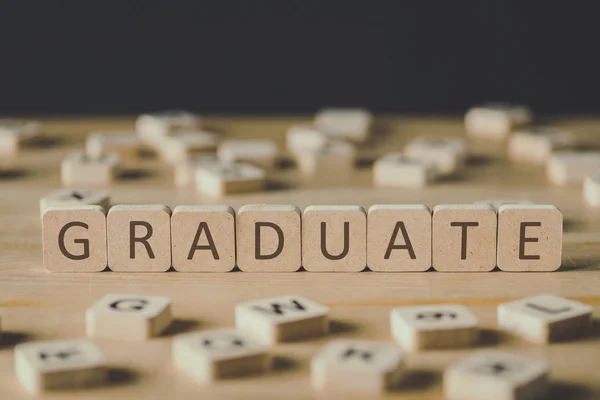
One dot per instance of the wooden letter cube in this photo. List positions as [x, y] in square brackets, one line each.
[496, 121]
[433, 327]
[74, 239]
[351, 124]
[258, 152]
[464, 237]
[545, 318]
[304, 137]
[399, 238]
[203, 238]
[395, 170]
[268, 238]
[334, 239]
[180, 146]
[537, 144]
[139, 238]
[333, 158]
[128, 316]
[216, 180]
[282, 319]
[58, 364]
[529, 237]
[446, 154]
[79, 169]
[185, 171]
[361, 367]
[75, 197]
[152, 128]
[13, 134]
[565, 167]
[224, 353]
[591, 189]
[126, 144]
[494, 375]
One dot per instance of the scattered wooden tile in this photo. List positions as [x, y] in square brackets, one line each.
[537, 144]
[185, 171]
[128, 317]
[75, 197]
[258, 152]
[495, 375]
[58, 364]
[152, 128]
[464, 237]
[79, 169]
[125, 144]
[565, 167]
[396, 170]
[399, 237]
[179, 147]
[545, 318]
[357, 367]
[203, 238]
[591, 189]
[345, 123]
[335, 157]
[14, 133]
[334, 239]
[268, 238]
[139, 238]
[74, 239]
[497, 120]
[217, 354]
[305, 138]
[217, 180]
[446, 154]
[282, 319]
[529, 237]
[441, 326]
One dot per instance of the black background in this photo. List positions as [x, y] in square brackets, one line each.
[296, 56]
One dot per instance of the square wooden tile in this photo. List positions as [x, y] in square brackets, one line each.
[304, 137]
[75, 197]
[185, 171]
[568, 167]
[268, 238]
[178, 147]
[216, 180]
[496, 120]
[203, 238]
[258, 152]
[591, 189]
[447, 154]
[139, 238]
[395, 170]
[153, 127]
[345, 123]
[127, 145]
[536, 144]
[464, 237]
[399, 237]
[79, 169]
[334, 157]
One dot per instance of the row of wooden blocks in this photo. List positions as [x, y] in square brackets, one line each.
[346, 366]
[281, 238]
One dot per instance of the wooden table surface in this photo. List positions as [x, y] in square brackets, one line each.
[36, 304]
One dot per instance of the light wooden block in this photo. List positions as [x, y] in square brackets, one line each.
[139, 238]
[75, 197]
[357, 367]
[345, 123]
[399, 237]
[591, 189]
[305, 138]
[443, 326]
[74, 239]
[564, 167]
[496, 121]
[282, 319]
[268, 238]
[15, 133]
[185, 171]
[58, 364]
[545, 318]
[495, 375]
[217, 354]
[125, 144]
[128, 317]
[395, 170]
[334, 239]
[334, 158]
[529, 237]
[79, 169]
[216, 180]
[203, 238]
[464, 237]
[179, 147]
[537, 144]
[446, 154]
[258, 152]
[153, 127]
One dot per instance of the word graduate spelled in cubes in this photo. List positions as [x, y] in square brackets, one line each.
[79, 236]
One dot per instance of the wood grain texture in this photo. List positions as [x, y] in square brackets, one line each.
[39, 305]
